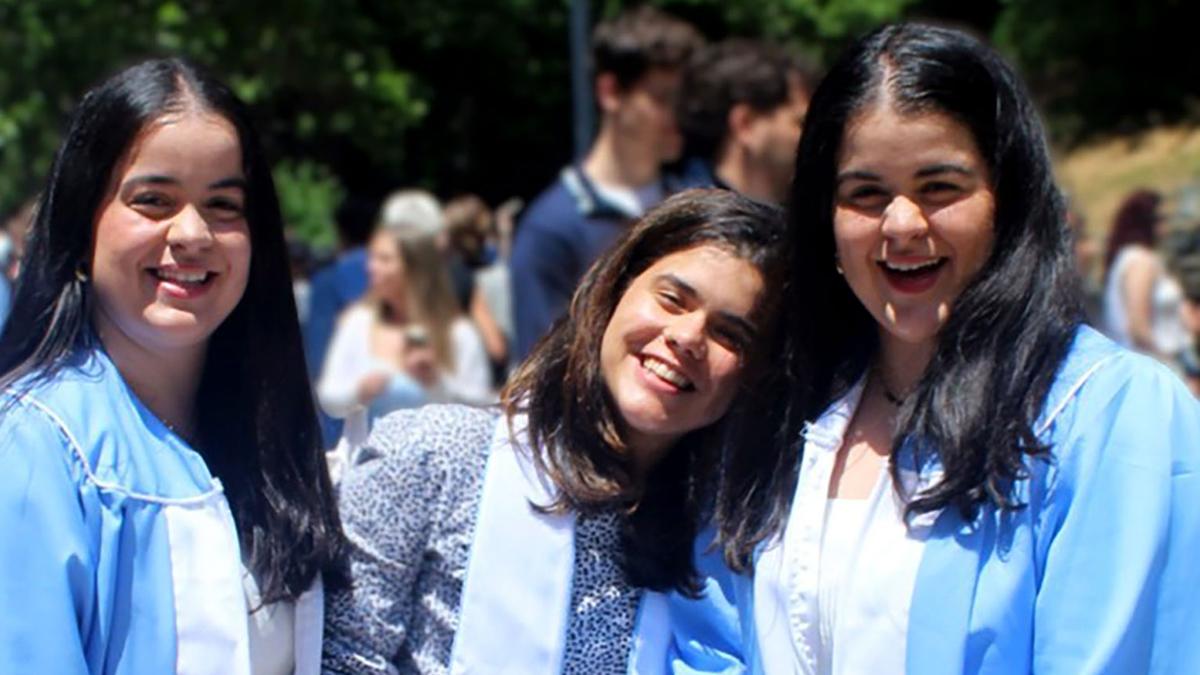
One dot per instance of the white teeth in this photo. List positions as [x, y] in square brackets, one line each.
[666, 372]
[181, 277]
[911, 267]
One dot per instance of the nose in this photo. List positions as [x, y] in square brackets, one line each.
[685, 335]
[189, 230]
[903, 220]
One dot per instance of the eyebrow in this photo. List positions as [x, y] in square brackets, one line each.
[160, 179]
[688, 290]
[923, 172]
[945, 167]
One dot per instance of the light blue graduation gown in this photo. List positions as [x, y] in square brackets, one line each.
[1099, 573]
[87, 579]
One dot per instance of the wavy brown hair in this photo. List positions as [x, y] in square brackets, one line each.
[573, 425]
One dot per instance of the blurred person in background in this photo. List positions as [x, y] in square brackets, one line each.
[472, 235]
[1141, 301]
[742, 109]
[1086, 253]
[1185, 267]
[335, 287]
[300, 263]
[637, 58]
[407, 342]
[164, 500]
[12, 249]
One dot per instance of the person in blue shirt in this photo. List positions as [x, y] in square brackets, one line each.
[638, 58]
[334, 288]
[959, 475]
[165, 504]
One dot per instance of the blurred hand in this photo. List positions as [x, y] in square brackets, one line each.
[419, 362]
[371, 386]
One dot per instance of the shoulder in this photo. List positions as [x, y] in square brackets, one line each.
[1114, 405]
[32, 440]
[463, 330]
[551, 210]
[433, 435]
[434, 453]
[358, 316]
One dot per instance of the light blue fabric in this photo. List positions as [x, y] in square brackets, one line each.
[85, 577]
[1097, 574]
[5, 299]
[706, 635]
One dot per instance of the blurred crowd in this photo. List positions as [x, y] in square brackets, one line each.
[434, 301]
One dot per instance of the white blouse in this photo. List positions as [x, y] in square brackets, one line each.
[832, 594]
[350, 359]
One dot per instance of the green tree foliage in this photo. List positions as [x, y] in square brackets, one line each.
[1106, 65]
[473, 95]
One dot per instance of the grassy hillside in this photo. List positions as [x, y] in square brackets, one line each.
[1100, 174]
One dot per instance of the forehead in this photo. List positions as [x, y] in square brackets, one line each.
[185, 144]
[880, 134]
[714, 272]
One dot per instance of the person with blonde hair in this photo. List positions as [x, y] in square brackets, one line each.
[407, 342]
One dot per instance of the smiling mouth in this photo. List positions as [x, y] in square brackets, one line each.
[666, 372]
[913, 277]
[195, 279]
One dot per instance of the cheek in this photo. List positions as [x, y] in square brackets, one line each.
[855, 237]
[726, 372]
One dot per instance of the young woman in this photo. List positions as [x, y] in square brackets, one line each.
[408, 342]
[1141, 299]
[517, 540]
[165, 503]
[982, 484]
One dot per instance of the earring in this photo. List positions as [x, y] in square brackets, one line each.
[80, 275]
[837, 265]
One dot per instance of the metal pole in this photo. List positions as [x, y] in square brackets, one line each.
[581, 81]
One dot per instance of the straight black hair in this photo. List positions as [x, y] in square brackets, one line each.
[997, 354]
[255, 420]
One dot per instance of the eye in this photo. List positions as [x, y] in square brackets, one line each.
[866, 196]
[225, 208]
[152, 202]
[941, 191]
[670, 300]
[731, 339]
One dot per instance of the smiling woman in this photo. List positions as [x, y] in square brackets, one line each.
[967, 479]
[165, 501]
[573, 513]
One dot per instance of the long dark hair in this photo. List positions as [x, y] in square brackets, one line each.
[574, 427]
[255, 421]
[998, 352]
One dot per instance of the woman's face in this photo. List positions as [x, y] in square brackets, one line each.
[673, 351]
[171, 246]
[913, 216]
[385, 267]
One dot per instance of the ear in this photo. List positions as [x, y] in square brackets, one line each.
[608, 92]
[740, 120]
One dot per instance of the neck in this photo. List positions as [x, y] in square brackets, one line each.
[901, 364]
[164, 380]
[395, 310]
[746, 177]
[619, 162]
[646, 452]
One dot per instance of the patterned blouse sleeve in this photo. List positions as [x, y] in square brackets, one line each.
[388, 507]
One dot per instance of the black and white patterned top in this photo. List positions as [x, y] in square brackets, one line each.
[410, 515]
